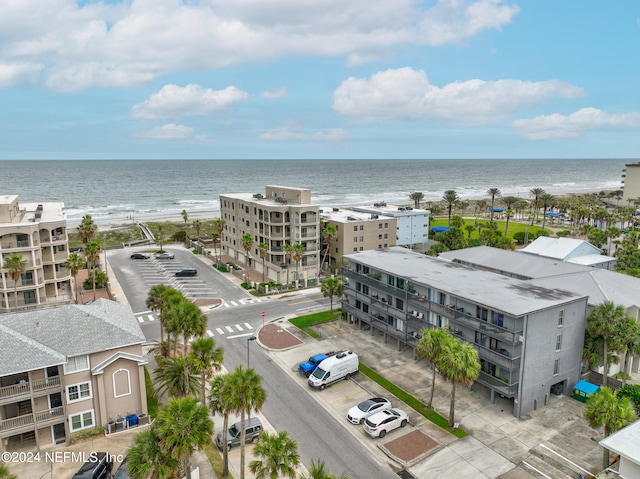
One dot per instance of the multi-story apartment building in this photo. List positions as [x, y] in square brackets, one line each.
[37, 232]
[69, 368]
[282, 216]
[412, 225]
[529, 338]
[356, 231]
[631, 181]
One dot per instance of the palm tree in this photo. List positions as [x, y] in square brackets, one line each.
[218, 227]
[318, 471]
[191, 321]
[332, 287]
[184, 427]
[264, 251]
[604, 322]
[509, 202]
[221, 401]
[248, 396]
[197, 225]
[459, 364]
[493, 192]
[148, 459]
[417, 197]
[536, 193]
[247, 243]
[185, 217]
[5, 474]
[215, 237]
[430, 346]
[329, 234]
[74, 264]
[176, 376]
[206, 358]
[160, 298]
[277, 456]
[87, 229]
[160, 238]
[628, 344]
[547, 202]
[16, 267]
[298, 251]
[92, 257]
[605, 409]
[451, 198]
[288, 253]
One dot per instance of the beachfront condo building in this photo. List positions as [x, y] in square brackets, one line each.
[631, 182]
[412, 224]
[38, 234]
[282, 216]
[355, 231]
[67, 369]
[529, 338]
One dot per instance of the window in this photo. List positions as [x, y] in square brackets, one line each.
[82, 420]
[558, 342]
[361, 248]
[361, 227]
[379, 237]
[556, 367]
[399, 303]
[76, 363]
[355, 250]
[361, 239]
[386, 236]
[365, 289]
[355, 228]
[379, 226]
[561, 318]
[400, 283]
[355, 239]
[386, 225]
[78, 392]
[29, 297]
[391, 280]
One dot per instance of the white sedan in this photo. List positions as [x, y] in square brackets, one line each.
[357, 414]
[382, 422]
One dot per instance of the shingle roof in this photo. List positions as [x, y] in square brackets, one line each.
[52, 334]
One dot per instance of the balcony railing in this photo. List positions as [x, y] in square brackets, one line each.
[16, 391]
[28, 421]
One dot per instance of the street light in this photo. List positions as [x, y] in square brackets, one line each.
[249, 339]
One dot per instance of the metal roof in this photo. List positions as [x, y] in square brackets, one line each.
[502, 293]
[625, 442]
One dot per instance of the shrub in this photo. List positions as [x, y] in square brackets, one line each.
[632, 391]
[101, 280]
[246, 286]
[543, 233]
[519, 237]
[563, 233]
[180, 236]
[222, 269]
[87, 433]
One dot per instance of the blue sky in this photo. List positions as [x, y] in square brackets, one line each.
[226, 79]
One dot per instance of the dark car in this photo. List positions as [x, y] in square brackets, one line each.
[140, 256]
[98, 466]
[122, 473]
[187, 272]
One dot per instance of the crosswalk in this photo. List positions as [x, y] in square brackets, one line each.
[243, 302]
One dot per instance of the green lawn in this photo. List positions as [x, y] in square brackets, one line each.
[514, 226]
[305, 322]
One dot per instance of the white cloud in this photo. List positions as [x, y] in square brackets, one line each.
[170, 132]
[406, 94]
[293, 132]
[12, 74]
[132, 42]
[574, 125]
[274, 94]
[173, 101]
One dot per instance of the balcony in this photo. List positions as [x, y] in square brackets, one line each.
[508, 390]
[23, 391]
[28, 422]
[499, 359]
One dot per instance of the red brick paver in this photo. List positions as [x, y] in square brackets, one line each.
[410, 448]
[276, 337]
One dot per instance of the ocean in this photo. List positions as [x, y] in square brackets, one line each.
[112, 190]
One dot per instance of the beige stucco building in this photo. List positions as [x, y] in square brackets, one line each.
[631, 181]
[69, 368]
[357, 231]
[282, 216]
[38, 232]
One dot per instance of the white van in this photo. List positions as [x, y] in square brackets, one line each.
[341, 366]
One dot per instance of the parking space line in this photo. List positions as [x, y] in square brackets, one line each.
[219, 330]
[230, 329]
[248, 326]
[239, 328]
[210, 333]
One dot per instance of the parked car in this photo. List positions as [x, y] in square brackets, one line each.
[357, 414]
[253, 429]
[165, 255]
[187, 272]
[122, 473]
[379, 424]
[140, 256]
[98, 466]
[310, 364]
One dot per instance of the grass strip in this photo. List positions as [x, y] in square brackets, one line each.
[215, 458]
[411, 401]
[305, 322]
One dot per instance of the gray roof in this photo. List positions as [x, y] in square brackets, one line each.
[625, 442]
[558, 248]
[512, 263]
[501, 293]
[600, 285]
[48, 336]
